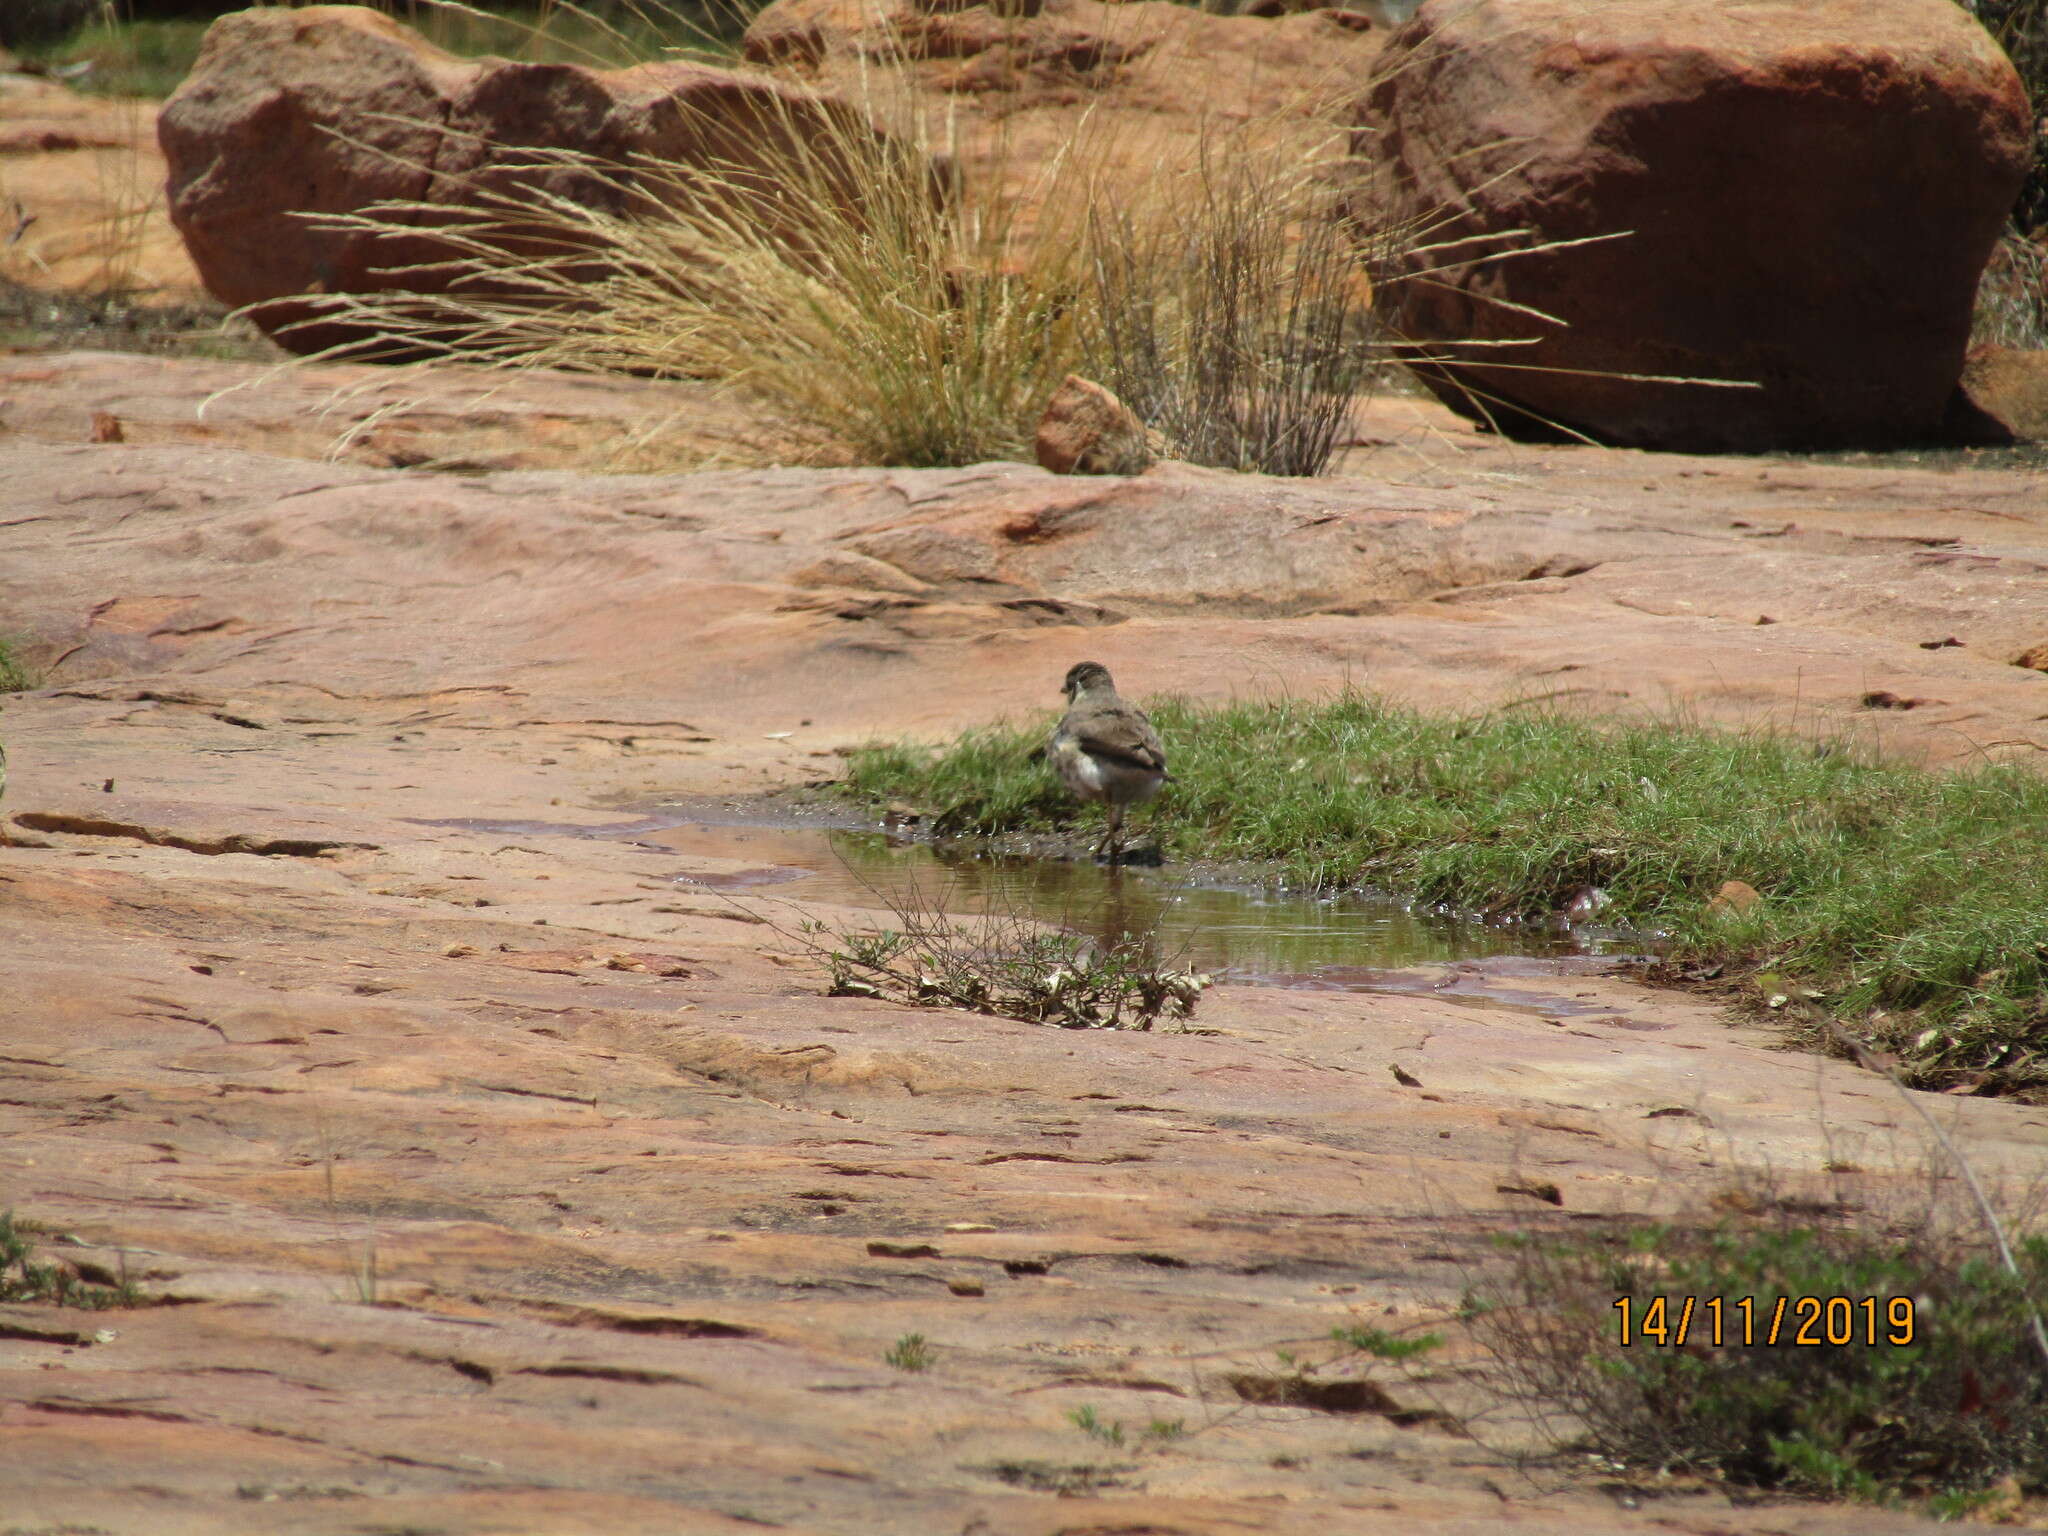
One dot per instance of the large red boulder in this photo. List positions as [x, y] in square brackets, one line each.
[1804, 193]
[330, 109]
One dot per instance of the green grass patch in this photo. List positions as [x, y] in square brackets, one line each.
[1909, 906]
[1934, 1392]
[140, 58]
[913, 1352]
[23, 1279]
[16, 674]
[149, 58]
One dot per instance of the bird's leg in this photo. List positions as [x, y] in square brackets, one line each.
[1110, 838]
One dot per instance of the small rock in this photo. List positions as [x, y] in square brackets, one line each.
[1086, 430]
[966, 1288]
[458, 951]
[1884, 698]
[2006, 391]
[1403, 1078]
[2034, 658]
[969, 1226]
[1588, 901]
[2005, 1503]
[1734, 898]
[106, 428]
[1936, 645]
[902, 1251]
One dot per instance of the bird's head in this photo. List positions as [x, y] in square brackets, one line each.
[1083, 676]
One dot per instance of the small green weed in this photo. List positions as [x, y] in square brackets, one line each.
[1111, 1431]
[913, 1353]
[22, 1279]
[1382, 1345]
[1909, 906]
[16, 675]
[1901, 1368]
[1091, 1424]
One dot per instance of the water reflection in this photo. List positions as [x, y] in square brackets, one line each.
[1234, 931]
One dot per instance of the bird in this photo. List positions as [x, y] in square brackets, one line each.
[1105, 749]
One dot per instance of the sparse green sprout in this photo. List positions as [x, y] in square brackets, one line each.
[1471, 1304]
[1093, 1426]
[16, 675]
[364, 1276]
[22, 1279]
[1166, 1429]
[1383, 1345]
[913, 1353]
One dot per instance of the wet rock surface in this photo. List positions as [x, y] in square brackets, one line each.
[504, 1182]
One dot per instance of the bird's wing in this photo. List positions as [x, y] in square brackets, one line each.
[1123, 736]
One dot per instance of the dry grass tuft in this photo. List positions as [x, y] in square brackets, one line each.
[845, 277]
[1235, 313]
[1006, 965]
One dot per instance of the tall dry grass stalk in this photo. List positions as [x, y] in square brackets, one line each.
[832, 271]
[837, 265]
[1234, 314]
[2012, 295]
[848, 279]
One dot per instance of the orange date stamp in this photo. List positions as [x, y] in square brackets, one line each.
[1836, 1322]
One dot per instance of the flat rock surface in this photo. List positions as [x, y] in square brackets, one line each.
[87, 174]
[506, 1184]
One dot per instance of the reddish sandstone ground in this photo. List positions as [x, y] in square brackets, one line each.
[647, 1208]
[640, 1210]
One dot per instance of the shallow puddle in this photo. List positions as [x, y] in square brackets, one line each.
[1241, 932]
